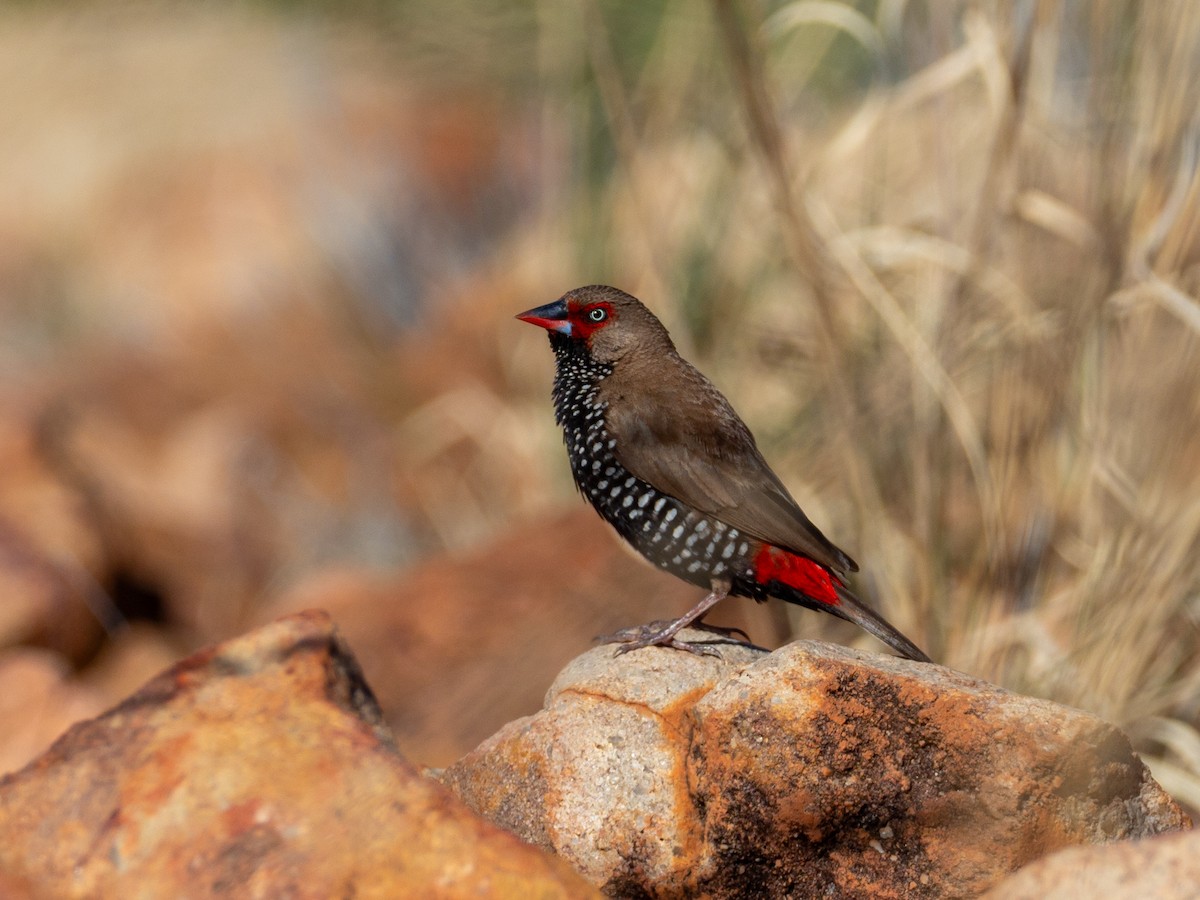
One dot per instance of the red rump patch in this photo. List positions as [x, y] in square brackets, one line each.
[799, 572]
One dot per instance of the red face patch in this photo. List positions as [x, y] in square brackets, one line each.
[588, 319]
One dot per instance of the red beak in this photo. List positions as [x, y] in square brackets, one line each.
[552, 317]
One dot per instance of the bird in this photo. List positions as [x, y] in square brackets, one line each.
[661, 455]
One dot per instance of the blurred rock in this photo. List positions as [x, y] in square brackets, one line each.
[50, 553]
[1165, 868]
[260, 767]
[18, 889]
[129, 659]
[44, 603]
[232, 175]
[205, 272]
[40, 696]
[464, 643]
[37, 702]
[812, 771]
[49, 511]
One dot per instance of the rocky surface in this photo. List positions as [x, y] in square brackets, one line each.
[1165, 868]
[258, 768]
[812, 771]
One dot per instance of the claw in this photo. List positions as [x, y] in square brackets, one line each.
[662, 634]
[633, 633]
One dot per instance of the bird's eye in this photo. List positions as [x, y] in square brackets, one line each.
[599, 314]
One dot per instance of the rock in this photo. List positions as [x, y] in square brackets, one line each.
[260, 767]
[1165, 868]
[601, 776]
[46, 601]
[129, 659]
[40, 697]
[433, 639]
[38, 700]
[50, 551]
[812, 771]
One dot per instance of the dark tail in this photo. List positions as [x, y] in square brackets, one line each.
[854, 610]
[800, 579]
[850, 608]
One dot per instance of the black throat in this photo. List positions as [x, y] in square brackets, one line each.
[577, 378]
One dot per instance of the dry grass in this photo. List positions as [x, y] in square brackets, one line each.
[958, 305]
[944, 259]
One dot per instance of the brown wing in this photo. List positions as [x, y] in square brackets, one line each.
[686, 440]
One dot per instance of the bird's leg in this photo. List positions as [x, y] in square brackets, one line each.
[660, 634]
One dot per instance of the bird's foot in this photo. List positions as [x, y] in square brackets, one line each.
[657, 639]
[633, 632]
[662, 633]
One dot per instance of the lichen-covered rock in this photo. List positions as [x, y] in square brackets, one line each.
[257, 768]
[601, 775]
[812, 771]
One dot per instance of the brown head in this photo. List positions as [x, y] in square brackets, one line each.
[609, 323]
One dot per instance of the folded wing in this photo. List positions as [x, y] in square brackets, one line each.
[712, 463]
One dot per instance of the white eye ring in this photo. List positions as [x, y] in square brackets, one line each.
[598, 314]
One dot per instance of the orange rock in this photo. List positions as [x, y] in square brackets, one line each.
[812, 771]
[260, 767]
[601, 776]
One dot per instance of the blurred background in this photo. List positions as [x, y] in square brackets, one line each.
[258, 267]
